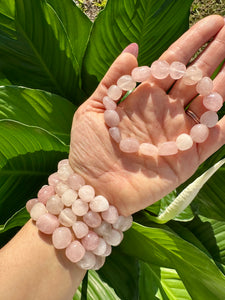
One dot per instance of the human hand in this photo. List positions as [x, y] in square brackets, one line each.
[131, 181]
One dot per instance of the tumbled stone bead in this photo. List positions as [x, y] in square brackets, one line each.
[101, 248]
[63, 162]
[160, 69]
[45, 193]
[75, 182]
[100, 260]
[126, 83]
[54, 205]
[177, 70]
[167, 148]
[80, 229]
[199, 133]
[60, 188]
[37, 210]
[114, 238]
[53, 179]
[68, 197]
[114, 92]
[75, 251]
[109, 103]
[67, 217]
[108, 250]
[47, 223]
[140, 74]
[115, 134]
[110, 215]
[87, 262]
[86, 193]
[204, 86]
[80, 207]
[30, 203]
[209, 118]
[99, 204]
[123, 223]
[111, 118]
[192, 76]
[61, 237]
[92, 219]
[184, 142]
[213, 101]
[103, 229]
[129, 145]
[64, 172]
[148, 149]
[90, 241]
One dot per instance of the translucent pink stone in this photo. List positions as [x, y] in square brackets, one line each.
[209, 118]
[86, 193]
[45, 193]
[63, 162]
[192, 76]
[167, 148]
[213, 101]
[129, 145]
[68, 197]
[199, 133]
[114, 92]
[80, 229]
[110, 215]
[141, 74]
[123, 223]
[37, 210]
[99, 204]
[47, 223]
[126, 83]
[111, 118]
[177, 70]
[115, 134]
[100, 260]
[61, 237]
[53, 179]
[75, 182]
[54, 205]
[90, 241]
[114, 238]
[60, 188]
[101, 248]
[80, 207]
[87, 262]
[148, 149]
[204, 86]
[92, 219]
[103, 229]
[64, 172]
[108, 250]
[30, 203]
[184, 142]
[67, 217]
[75, 251]
[160, 69]
[109, 103]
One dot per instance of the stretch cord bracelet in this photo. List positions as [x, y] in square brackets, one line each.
[83, 224]
[160, 69]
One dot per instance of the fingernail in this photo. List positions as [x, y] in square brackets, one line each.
[132, 48]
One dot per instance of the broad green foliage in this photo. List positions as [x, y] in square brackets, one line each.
[51, 58]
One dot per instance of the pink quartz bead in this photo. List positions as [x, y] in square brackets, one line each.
[100, 260]
[177, 70]
[209, 118]
[167, 148]
[110, 215]
[148, 149]
[213, 101]
[92, 219]
[45, 193]
[86, 193]
[140, 74]
[126, 83]
[101, 248]
[37, 210]
[184, 142]
[103, 229]
[54, 205]
[53, 179]
[115, 134]
[204, 86]
[63, 162]
[99, 204]
[115, 238]
[114, 92]
[129, 145]
[80, 229]
[80, 207]
[160, 69]
[199, 133]
[109, 103]
[192, 76]
[75, 182]
[87, 262]
[123, 223]
[60, 188]
[61, 237]
[67, 217]
[64, 172]
[68, 197]
[47, 223]
[75, 251]
[30, 203]
[111, 118]
[90, 241]
[108, 250]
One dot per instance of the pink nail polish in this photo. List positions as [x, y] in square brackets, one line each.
[132, 48]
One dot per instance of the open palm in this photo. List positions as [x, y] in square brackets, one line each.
[132, 181]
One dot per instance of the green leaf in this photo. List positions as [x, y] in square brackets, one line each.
[153, 24]
[18, 219]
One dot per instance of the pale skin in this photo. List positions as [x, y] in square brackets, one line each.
[30, 268]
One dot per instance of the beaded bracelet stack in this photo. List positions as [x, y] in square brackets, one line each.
[83, 224]
[160, 69]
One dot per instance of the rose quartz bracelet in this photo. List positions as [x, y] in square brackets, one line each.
[82, 223]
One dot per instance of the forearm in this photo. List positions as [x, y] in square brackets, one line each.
[31, 268]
